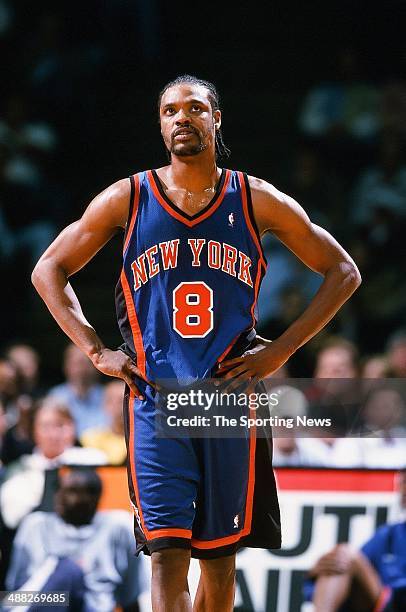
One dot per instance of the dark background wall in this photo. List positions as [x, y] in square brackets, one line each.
[92, 72]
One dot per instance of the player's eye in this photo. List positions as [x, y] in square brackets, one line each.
[169, 110]
[196, 108]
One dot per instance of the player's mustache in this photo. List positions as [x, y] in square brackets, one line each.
[180, 130]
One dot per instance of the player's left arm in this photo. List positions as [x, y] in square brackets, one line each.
[279, 213]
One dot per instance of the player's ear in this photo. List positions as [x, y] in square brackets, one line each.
[217, 119]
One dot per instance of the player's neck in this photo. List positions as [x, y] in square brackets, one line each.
[193, 173]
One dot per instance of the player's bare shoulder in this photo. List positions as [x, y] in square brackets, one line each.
[111, 206]
[272, 208]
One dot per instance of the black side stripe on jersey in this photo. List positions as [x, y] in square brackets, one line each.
[251, 212]
[131, 207]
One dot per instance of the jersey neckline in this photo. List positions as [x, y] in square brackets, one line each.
[179, 214]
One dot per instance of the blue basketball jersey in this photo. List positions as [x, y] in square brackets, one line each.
[189, 284]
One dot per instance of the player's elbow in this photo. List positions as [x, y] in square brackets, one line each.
[36, 275]
[352, 275]
[39, 275]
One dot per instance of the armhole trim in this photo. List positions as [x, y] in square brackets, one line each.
[133, 209]
[249, 216]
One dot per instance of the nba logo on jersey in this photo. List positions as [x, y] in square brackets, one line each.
[231, 219]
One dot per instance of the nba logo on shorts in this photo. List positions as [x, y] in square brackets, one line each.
[236, 521]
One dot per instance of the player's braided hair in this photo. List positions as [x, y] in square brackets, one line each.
[221, 149]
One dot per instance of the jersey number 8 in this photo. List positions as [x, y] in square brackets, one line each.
[193, 309]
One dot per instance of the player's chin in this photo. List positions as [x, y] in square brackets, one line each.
[186, 150]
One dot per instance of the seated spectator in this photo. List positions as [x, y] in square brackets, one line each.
[9, 388]
[289, 448]
[379, 199]
[336, 452]
[18, 439]
[111, 439]
[337, 359]
[27, 361]
[81, 391]
[336, 392]
[293, 451]
[17, 408]
[346, 108]
[383, 444]
[374, 369]
[77, 549]
[396, 354]
[375, 366]
[371, 580]
[54, 437]
[3, 429]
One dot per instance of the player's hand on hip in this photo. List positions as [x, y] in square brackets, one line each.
[118, 364]
[264, 358]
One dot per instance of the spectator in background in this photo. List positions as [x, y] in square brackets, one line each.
[9, 387]
[343, 114]
[379, 199]
[81, 391]
[318, 188]
[24, 228]
[111, 439]
[337, 359]
[27, 361]
[17, 439]
[89, 553]
[393, 107]
[289, 448]
[396, 354]
[336, 394]
[383, 444]
[3, 429]
[372, 580]
[375, 366]
[54, 436]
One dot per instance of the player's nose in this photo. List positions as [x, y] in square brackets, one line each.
[182, 118]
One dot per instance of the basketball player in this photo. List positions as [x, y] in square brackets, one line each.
[186, 305]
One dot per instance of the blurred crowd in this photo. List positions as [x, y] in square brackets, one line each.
[79, 422]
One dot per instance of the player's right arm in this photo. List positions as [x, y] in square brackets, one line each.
[71, 250]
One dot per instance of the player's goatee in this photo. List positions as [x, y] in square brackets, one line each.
[182, 150]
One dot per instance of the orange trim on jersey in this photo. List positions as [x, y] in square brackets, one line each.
[383, 599]
[169, 532]
[131, 446]
[228, 349]
[178, 216]
[256, 291]
[135, 203]
[133, 320]
[254, 236]
[248, 221]
[208, 544]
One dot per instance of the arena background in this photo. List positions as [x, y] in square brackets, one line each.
[313, 98]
